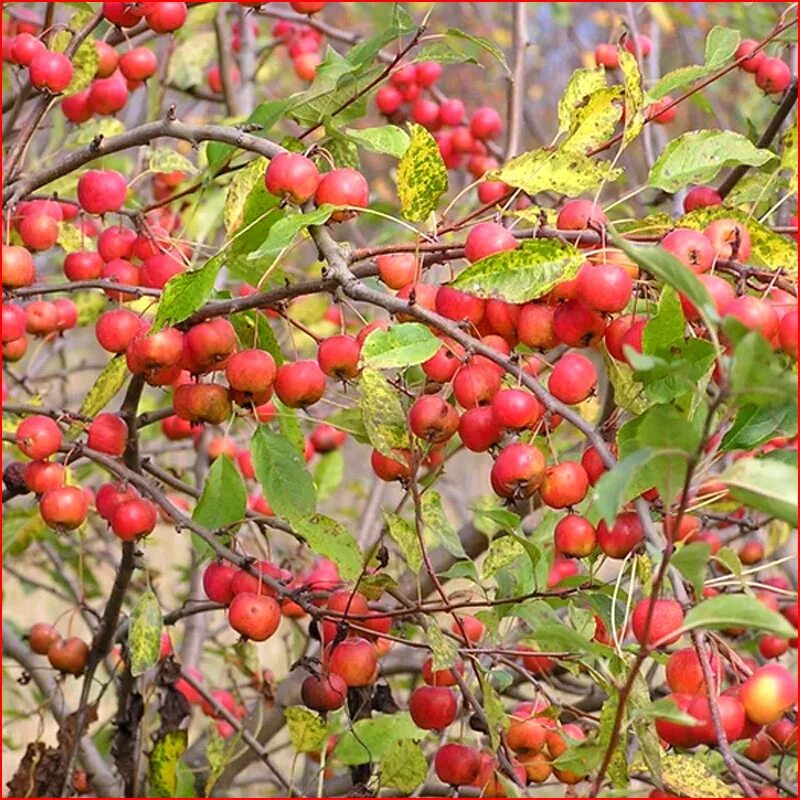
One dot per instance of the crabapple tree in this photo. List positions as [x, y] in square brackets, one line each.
[363, 438]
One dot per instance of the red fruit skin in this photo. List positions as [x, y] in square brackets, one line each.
[606, 55]
[338, 356]
[773, 75]
[445, 363]
[40, 476]
[667, 617]
[721, 292]
[251, 375]
[207, 346]
[292, 175]
[731, 714]
[768, 693]
[433, 707]
[486, 239]
[41, 636]
[391, 469]
[18, 267]
[108, 433]
[729, 239]
[110, 495]
[397, 270]
[39, 232]
[640, 45]
[622, 537]
[355, 660]
[101, 191]
[451, 112]
[755, 314]
[518, 471]
[64, 508]
[388, 100]
[440, 677]
[691, 248]
[685, 675]
[424, 297]
[536, 326]
[577, 325]
[574, 536]
[123, 15]
[41, 317]
[108, 95]
[14, 322]
[475, 385]
[245, 583]
[564, 485]
[787, 333]
[132, 519]
[343, 187]
[325, 692]
[771, 646]
[83, 266]
[605, 287]
[701, 197]
[217, 581]
[299, 384]
[69, 656]
[108, 59]
[50, 71]
[165, 17]
[473, 628]
[116, 242]
[486, 123]
[138, 64]
[578, 215]
[750, 63]
[593, 463]
[116, 329]
[254, 616]
[38, 437]
[573, 378]
[433, 419]
[326, 438]
[478, 430]
[515, 409]
[459, 306]
[457, 764]
[24, 46]
[158, 269]
[674, 733]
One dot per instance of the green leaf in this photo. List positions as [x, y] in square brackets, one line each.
[485, 44]
[219, 753]
[691, 561]
[732, 610]
[253, 330]
[721, 44]
[261, 122]
[404, 766]
[107, 384]
[281, 471]
[401, 345]
[644, 730]
[351, 422]
[526, 273]
[698, 157]
[444, 53]
[561, 171]
[329, 473]
[370, 739]
[503, 551]
[239, 189]
[444, 651]
[282, 233]
[666, 327]
[162, 770]
[329, 538]
[289, 426]
[421, 176]
[387, 139]
[87, 131]
[493, 707]
[144, 633]
[771, 250]
[437, 524]
[337, 82]
[629, 393]
[789, 155]
[729, 559]
[84, 65]
[187, 64]
[382, 412]
[757, 375]
[224, 497]
[688, 776]
[374, 585]
[71, 239]
[621, 484]
[165, 159]
[665, 708]
[548, 631]
[406, 539]
[20, 530]
[764, 485]
[307, 731]
[634, 95]
[186, 293]
[582, 84]
[755, 425]
[665, 266]
[595, 121]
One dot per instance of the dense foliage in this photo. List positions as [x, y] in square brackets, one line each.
[362, 438]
